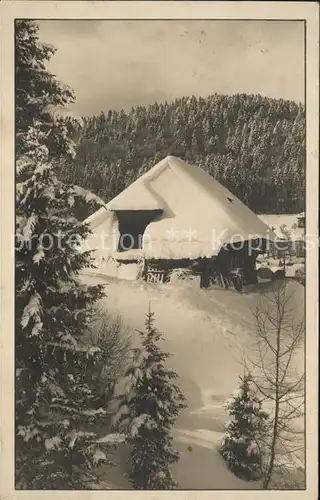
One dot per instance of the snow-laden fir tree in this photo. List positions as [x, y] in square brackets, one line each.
[241, 445]
[148, 412]
[55, 445]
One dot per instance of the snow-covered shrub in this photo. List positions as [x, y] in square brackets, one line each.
[300, 275]
[240, 446]
[114, 341]
[149, 407]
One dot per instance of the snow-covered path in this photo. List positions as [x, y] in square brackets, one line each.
[207, 332]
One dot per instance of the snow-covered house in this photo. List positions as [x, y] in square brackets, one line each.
[174, 216]
[290, 233]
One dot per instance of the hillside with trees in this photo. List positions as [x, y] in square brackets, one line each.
[85, 389]
[253, 145]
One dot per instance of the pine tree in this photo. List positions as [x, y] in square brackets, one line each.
[148, 412]
[240, 445]
[55, 445]
[262, 137]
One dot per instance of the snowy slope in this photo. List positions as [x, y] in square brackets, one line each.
[207, 331]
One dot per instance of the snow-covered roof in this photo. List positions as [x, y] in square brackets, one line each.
[287, 221]
[199, 215]
[138, 196]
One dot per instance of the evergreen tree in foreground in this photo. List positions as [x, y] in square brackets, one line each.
[55, 444]
[240, 444]
[148, 413]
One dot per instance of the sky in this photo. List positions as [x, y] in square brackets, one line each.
[121, 64]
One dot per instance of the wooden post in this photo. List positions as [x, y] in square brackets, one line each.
[145, 270]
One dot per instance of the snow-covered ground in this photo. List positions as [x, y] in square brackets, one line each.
[207, 331]
[292, 264]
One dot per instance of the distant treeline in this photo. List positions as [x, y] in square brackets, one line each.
[253, 145]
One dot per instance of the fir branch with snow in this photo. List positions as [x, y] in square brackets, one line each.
[55, 390]
[148, 412]
[240, 446]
